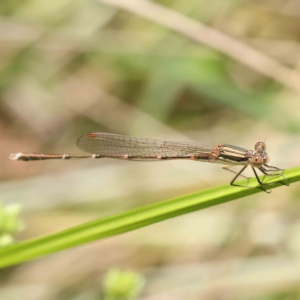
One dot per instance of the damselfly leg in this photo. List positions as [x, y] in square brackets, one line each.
[269, 171]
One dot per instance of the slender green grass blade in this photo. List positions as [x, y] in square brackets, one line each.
[131, 220]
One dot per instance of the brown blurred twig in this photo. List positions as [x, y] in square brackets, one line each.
[212, 38]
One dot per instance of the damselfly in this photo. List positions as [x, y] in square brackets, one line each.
[107, 145]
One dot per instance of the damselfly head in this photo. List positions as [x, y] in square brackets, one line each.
[260, 156]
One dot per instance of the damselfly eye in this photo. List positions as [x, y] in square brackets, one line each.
[257, 161]
[260, 147]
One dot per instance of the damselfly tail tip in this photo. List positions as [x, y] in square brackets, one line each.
[15, 156]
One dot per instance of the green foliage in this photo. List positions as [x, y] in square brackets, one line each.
[122, 285]
[9, 223]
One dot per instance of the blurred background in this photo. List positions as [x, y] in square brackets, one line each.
[205, 71]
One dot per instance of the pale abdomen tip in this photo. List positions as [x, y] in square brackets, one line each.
[15, 156]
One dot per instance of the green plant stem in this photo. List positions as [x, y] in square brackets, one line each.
[133, 219]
